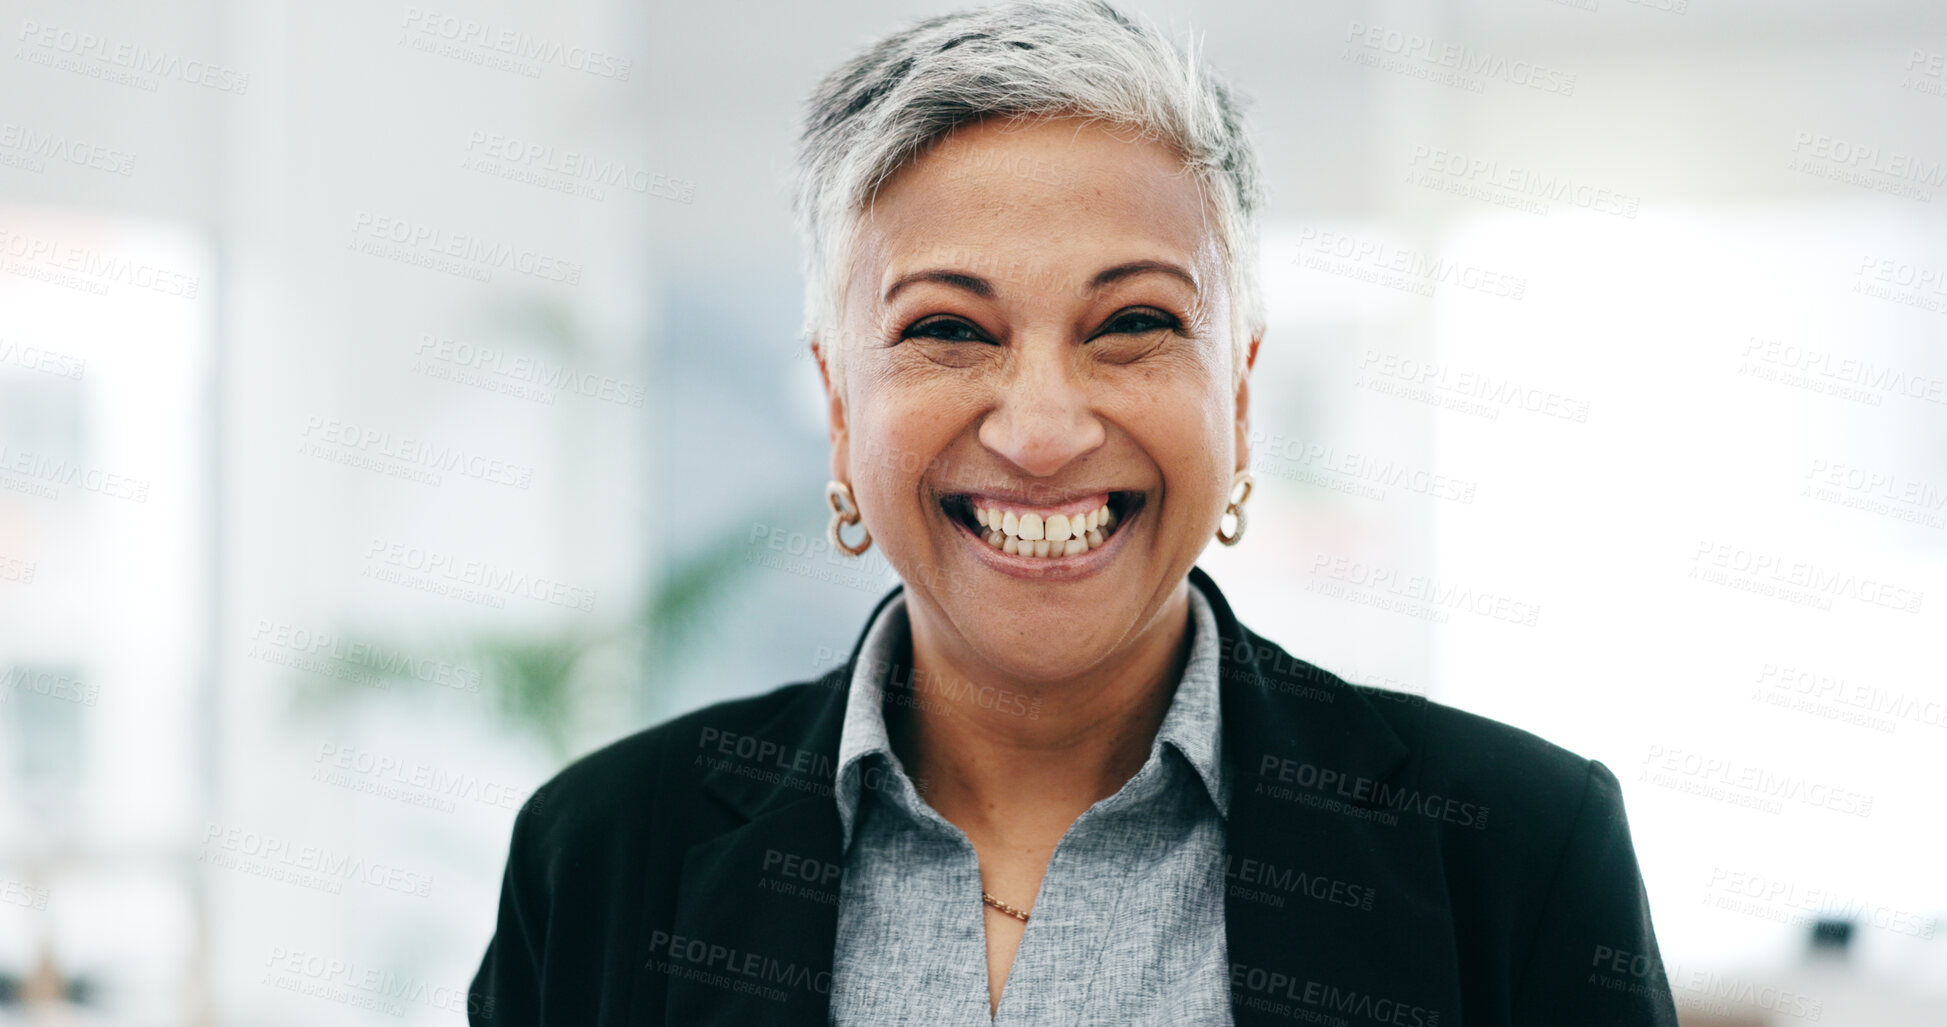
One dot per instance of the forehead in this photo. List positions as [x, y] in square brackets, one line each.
[1050, 201]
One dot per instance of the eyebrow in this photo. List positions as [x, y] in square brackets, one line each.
[1141, 267]
[958, 279]
[983, 288]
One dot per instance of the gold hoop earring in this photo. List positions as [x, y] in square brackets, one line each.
[1236, 508]
[844, 511]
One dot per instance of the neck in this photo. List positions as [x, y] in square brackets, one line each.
[1011, 755]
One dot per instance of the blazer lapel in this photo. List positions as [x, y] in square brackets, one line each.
[756, 920]
[1334, 896]
[752, 944]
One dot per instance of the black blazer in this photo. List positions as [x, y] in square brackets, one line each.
[1391, 861]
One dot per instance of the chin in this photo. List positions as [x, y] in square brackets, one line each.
[1044, 653]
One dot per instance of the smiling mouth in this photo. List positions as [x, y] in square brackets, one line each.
[1026, 531]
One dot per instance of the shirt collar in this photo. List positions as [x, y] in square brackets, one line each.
[1193, 724]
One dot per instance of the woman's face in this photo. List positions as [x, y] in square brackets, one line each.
[1037, 327]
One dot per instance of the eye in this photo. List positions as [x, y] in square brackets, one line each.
[1139, 321]
[945, 329]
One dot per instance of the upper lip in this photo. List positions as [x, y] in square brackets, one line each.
[1030, 497]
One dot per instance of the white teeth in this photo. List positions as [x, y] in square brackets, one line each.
[1056, 535]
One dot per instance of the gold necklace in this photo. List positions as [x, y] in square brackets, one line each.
[1017, 914]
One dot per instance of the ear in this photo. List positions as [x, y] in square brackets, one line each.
[1244, 404]
[835, 414]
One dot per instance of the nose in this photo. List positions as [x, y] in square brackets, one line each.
[1043, 417]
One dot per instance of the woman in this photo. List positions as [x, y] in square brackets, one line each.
[1057, 782]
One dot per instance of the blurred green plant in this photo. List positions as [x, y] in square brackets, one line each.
[531, 680]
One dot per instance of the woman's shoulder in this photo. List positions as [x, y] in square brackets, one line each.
[623, 785]
[1514, 776]
[1440, 746]
[1460, 742]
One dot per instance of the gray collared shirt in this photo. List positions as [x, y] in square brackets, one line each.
[1129, 925]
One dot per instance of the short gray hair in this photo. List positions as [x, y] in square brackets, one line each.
[890, 104]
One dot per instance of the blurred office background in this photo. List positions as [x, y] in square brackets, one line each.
[399, 400]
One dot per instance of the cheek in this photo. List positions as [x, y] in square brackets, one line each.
[917, 405]
[897, 438]
[1184, 419]
[1186, 426]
